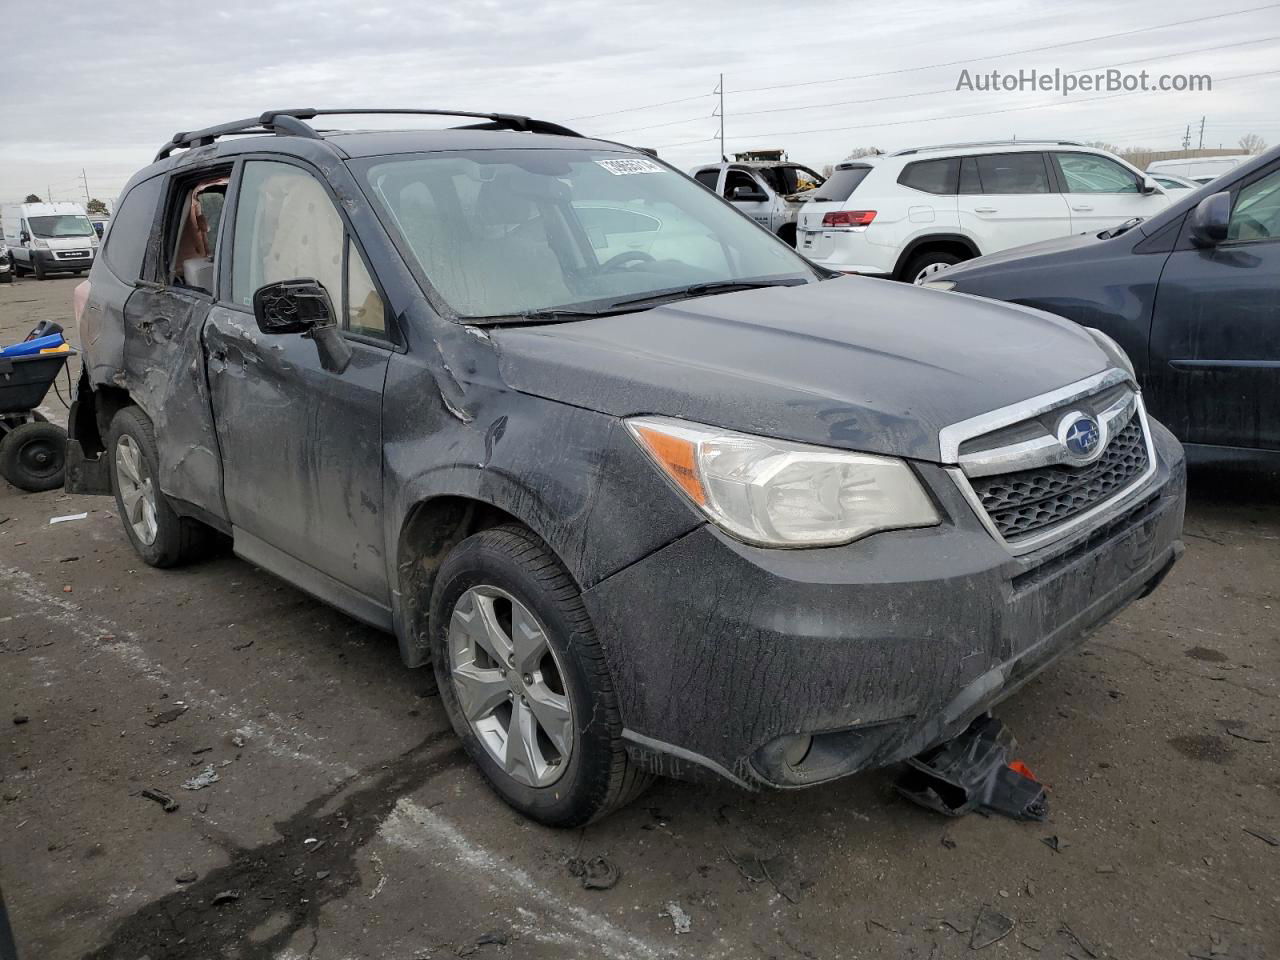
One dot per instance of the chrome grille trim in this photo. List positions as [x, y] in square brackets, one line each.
[950, 439]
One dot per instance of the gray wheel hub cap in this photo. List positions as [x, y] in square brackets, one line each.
[929, 271]
[510, 685]
[137, 490]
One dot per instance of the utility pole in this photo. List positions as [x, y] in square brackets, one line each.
[48, 192]
[1186, 140]
[85, 179]
[1201, 133]
[720, 113]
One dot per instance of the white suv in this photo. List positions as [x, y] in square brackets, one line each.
[912, 213]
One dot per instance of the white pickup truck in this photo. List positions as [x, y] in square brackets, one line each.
[770, 192]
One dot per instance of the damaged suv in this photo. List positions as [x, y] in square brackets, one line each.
[651, 493]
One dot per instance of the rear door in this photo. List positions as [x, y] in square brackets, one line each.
[301, 446]
[1008, 199]
[1215, 337]
[1102, 193]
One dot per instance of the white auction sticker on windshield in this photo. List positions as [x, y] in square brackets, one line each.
[620, 168]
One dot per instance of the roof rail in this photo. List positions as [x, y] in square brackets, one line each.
[984, 143]
[292, 122]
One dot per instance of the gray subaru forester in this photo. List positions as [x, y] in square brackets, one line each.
[653, 494]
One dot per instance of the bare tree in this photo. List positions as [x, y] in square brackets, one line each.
[828, 169]
[1103, 145]
[32, 198]
[1252, 143]
[857, 152]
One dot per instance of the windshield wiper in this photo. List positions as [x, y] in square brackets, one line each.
[545, 315]
[705, 289]
[1122, 228]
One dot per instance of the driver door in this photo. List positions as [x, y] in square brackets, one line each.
[301, 446]
[761, 211]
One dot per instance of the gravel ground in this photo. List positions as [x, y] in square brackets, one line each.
[345, 823]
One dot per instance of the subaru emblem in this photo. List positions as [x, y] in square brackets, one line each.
[1080, 435]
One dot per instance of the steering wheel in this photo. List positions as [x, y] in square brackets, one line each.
[626, 257]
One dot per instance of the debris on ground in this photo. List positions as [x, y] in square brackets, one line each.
[595, 873]
[989, 927]
[187, 876]
[68, 517]
[238, 741]
[159, 796]
[19, 719]
[1072, 935]
[973, 770]
[1243, 734]
[1266, 838]
[167, 716]
[226, 896]
[1055, 843]
[679, 919]
[495, 937]
[205, 778]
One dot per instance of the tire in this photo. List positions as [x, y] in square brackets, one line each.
[787, 234]
[597, 777]
[37, 267]
[916, 267]
[33, 456]
[7, 277]
[164, 539]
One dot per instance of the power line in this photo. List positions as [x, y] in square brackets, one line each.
[934, 93]
[1012, 53]
[643, 106]
[984, 113]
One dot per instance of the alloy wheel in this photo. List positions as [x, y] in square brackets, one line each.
[137, 490]
[929, 271]
[510, 685]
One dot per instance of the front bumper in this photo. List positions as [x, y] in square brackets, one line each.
[721, 652]
[52, 263]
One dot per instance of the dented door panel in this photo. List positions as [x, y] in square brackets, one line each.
[164, 374]
[301, 447]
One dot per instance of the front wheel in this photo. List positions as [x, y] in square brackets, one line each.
[37, 268]
[523, 679]
[160, 536]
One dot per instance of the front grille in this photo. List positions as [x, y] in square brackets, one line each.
[1031, 500]
[71, 254]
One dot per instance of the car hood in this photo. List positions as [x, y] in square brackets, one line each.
[855, 363]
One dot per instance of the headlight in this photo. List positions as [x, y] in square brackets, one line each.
[39, 245]
[1114, 351]
[939, 284]
[780, 494]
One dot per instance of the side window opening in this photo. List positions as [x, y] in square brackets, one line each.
[365, 313]
[1088, 173]
[708, 178]
[195, 214]
[1256, 214]
[1013, 173]
[931, 176]
[125, 243]
[738, 178]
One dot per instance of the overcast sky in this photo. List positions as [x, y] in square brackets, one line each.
[104, 85]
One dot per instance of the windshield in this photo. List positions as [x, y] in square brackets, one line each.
[66, 225]
[790, 179]
[506, 232]
[842, 183]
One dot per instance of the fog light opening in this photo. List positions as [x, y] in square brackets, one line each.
[797, 749]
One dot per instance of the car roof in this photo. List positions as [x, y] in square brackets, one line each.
[373, 143]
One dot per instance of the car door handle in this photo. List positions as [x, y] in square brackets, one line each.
[984, 209]
[1081, 206]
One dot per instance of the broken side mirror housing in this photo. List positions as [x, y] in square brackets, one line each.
[1210, 220]
[303, 306]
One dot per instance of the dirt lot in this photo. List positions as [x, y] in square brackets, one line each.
[345, 822]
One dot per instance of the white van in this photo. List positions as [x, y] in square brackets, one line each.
[1199, 169]
[46, 238]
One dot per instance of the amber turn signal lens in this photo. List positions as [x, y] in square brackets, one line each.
[677, 457]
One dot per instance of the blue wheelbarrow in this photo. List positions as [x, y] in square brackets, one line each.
[33, 452]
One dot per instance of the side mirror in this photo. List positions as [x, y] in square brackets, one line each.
[1210, 219]
[1149, 186]
[750, 194]
[24, 237]
[303, 306]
